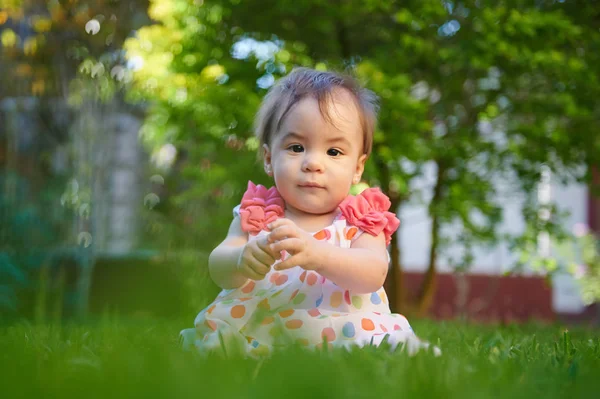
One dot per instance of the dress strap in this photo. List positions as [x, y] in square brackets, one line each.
[369, 212]
[259, 207]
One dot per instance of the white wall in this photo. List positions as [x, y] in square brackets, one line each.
[565, 294]
[415, 232]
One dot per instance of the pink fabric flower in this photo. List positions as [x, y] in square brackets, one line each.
[369, 212]
[259, 207]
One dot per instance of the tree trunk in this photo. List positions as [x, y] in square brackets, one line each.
[429, 285]
[394, 283]
[394, 280]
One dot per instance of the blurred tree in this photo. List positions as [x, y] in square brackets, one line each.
[479, 91]
[57, 60]
[43, 43]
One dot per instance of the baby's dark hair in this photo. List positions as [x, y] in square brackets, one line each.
[304, 82]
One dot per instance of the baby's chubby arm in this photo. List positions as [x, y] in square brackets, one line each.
[237, 259]
[361, 268]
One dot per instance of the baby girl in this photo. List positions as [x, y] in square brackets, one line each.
[304, 262]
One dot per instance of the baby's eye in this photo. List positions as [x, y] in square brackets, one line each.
[332, 152]
[296, 148]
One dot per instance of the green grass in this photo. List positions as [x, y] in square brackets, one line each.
[129, 358]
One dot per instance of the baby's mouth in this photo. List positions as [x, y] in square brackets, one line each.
[311, 185]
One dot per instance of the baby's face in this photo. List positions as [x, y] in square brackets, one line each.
[314, 162]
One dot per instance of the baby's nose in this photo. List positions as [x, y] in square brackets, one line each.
[312, 163]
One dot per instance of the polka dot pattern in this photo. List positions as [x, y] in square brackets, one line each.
[211, 324]
[319, 301]
[324, 234]
[348, 330]
[328, 334]
[299, 298]
[375, 298]
[303, 276]
[336, 299]
[249, 287]
[350, 232]
[294, 324]
[347, 297]
[294, 295]
[314, 312]
[264, 304]
[281, 279]
[303, 305]
[286, 313]
[383, 297]
[238, 311]
[367, 324]
[357, 301]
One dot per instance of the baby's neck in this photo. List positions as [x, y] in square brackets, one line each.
[310, 222]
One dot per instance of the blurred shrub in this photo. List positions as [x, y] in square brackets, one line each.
[153, 284]
[31, 235]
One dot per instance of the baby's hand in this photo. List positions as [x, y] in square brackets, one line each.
[256, 259]
[287, 236]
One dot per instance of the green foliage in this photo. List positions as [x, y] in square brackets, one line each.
[152, 283]
[575, 253]
[49, 39]
[588, 271]
[29, 232]
[134, 357]
[579, 255]
[481, 91]
[51, 52]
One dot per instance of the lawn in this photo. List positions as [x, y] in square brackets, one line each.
[141, 358]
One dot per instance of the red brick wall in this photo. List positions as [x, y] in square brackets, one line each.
[488, 297]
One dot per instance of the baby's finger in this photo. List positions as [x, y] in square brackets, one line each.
[265, 257]
[290, 262]
[263, 243]
[281, 233]
[280, 222]
[259, 268]
[291, 245]
[264, 248]
[249, 272]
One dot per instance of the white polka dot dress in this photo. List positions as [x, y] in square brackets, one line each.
[301, 307]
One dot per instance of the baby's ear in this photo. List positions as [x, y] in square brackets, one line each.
[267, 160]
[360, 168]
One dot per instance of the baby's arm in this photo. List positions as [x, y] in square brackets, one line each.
[361, 268]
[223, 260]
[236, 259]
